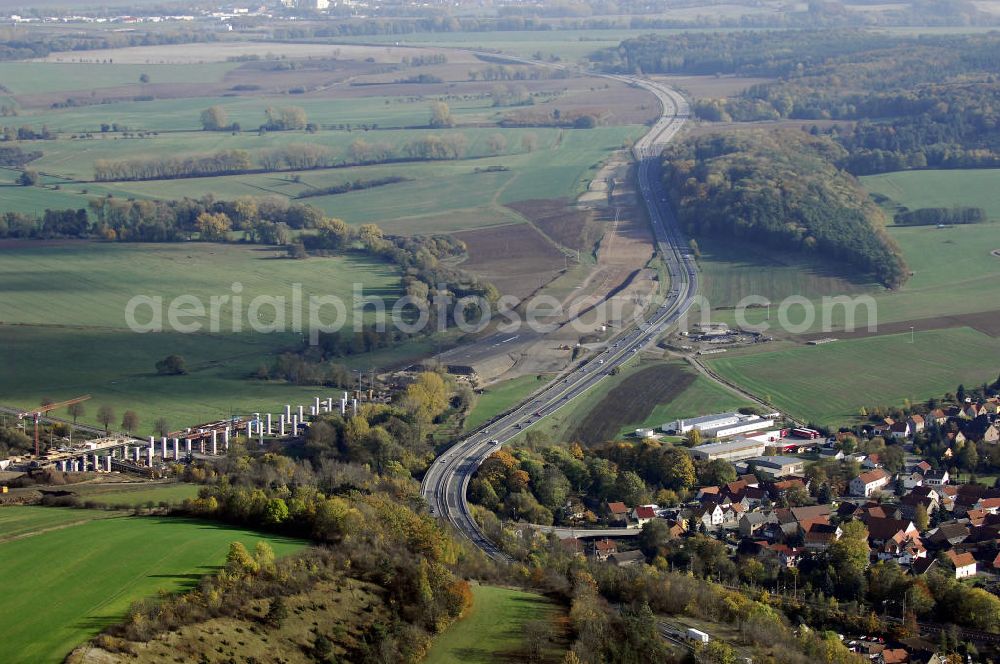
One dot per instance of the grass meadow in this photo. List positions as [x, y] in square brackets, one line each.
[828, 384]
[499, 397]
[64, 333]
[138, 494]
[930, 188]
[92, 570]
[493, 629]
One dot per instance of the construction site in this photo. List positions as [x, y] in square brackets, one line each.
[150, 457]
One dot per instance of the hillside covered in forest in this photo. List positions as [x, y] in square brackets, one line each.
[780, 188]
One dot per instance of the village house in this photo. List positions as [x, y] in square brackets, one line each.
[900, 430]
[965, 564]
[710, 516]
[618, 514]
[881, 531]
[819, 536]
[936, 478]
[788, 556]
[908, 504]
[911, 480]
[868, 483]
[752, 522]
[936, 417]
[903, 548]
[947, 534]
[604, 548]
[627, 558]
[643, 514]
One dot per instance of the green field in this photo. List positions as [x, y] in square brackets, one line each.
[828, 384]
[497, 398]
[91, 572]
[922, 189]
[732, 270]
[18, 522]
[89, 284]
[493, 629]
[444, 196]
[64, 332]
[120, 494]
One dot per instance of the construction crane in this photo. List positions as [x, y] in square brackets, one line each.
[36, 414]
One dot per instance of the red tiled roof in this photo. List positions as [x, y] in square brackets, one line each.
[617, 508]
[643, 512]
[895, 656]
[606, 545]
[873, 476]
[960, 559]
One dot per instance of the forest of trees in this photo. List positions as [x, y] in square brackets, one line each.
[905, 114]
[780, 189]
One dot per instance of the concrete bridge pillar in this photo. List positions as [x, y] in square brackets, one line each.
[107, 463]
[270, 431]
[295, 425]
[149, 455]
[288, 412]
[187, 446]
[177, 449]
[302, 414]
[163, 448]
[215, 447]
[281, 426]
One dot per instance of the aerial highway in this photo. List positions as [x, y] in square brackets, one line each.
[446, 483]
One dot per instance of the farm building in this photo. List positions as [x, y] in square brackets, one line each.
[733, 450]
[778, 466]
[720, 425]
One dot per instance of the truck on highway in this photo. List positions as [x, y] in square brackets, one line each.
[696, 635]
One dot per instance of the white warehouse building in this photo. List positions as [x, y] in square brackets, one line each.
[733, 450]
[721, 425]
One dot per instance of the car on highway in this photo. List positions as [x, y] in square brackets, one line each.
[494, 442]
